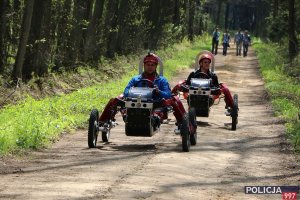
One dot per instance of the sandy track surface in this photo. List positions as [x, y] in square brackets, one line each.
[218, 167]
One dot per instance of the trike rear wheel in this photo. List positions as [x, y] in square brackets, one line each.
[234, 112]
[193, 126]
[93, 128]
[185, 135]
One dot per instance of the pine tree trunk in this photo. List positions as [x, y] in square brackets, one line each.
[227, 15]
[111, 28]
[275, 8]
[43, 56]
[176, 16]
[154, 19]
[3, 28]
[219, 12]
[90, 47]
[191, 20]
[76, 52]
[16, 18]
[63, 32]
[122, 17]
[25, 29]
[293, 43]
[37, 51]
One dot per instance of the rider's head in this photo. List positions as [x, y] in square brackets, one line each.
[246, 32]
[150, 64]
[204, 62]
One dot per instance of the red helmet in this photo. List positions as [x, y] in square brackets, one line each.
[151, 58]
[205, 56]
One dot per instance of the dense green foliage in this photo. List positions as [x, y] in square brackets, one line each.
[283, 90]
[37, 37]
[34, 123]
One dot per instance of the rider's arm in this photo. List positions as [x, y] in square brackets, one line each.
[215, 80]
[164, 89]
[188, 80]
[130, 84]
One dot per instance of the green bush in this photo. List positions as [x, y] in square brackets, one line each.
[283, 89]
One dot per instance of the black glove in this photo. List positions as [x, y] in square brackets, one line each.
[156, 91]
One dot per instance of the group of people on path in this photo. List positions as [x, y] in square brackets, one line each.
[241, 40]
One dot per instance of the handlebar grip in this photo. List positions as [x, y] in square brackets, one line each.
[215, 91]
[184, 88]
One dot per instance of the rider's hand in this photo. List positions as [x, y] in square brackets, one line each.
[156, 91]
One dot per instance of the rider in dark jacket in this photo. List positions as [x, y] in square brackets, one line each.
[203, 71]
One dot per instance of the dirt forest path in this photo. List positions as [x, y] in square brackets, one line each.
[218, 167]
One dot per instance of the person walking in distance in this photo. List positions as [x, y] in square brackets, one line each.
[215, 41]
[246, 43]
[238, 41]
[225, 42]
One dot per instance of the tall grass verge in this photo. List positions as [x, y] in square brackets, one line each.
[33, 124]
[283, 89]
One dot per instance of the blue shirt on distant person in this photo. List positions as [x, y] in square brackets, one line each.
[238, 38]
[216, 35]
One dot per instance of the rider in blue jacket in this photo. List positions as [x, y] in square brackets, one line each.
[160, 83]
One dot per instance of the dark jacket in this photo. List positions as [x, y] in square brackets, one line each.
[246, 40]
[197, 74]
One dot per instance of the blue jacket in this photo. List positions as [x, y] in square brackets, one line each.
[160, 81]
[226, 38]
[216, 35]
[238, 38]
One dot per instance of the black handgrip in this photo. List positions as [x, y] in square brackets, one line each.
[184, 88]
[121, 103]
[215, 91]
